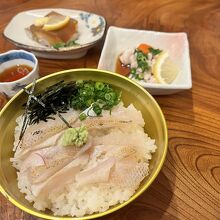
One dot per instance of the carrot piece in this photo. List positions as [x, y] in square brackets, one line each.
[144, 48]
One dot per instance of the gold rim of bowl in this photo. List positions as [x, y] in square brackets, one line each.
[119, 206]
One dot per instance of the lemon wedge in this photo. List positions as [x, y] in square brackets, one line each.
[164, 70]
[55, 24]
[41, 21]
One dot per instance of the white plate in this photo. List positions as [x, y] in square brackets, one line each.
[176, 44]
[91, 28]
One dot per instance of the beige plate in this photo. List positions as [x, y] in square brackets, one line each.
[131, 93]
[91, 28]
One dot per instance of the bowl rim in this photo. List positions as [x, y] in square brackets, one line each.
[119, 206]
[35, 68]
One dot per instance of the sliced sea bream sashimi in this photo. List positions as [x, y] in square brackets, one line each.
[113, 161]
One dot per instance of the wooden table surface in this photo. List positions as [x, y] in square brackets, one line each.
[188, 186]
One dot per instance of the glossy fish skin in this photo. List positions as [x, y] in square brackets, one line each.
[38, 133]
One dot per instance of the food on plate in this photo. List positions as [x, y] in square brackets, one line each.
[55, 30]
[79, 150]
[14, 73]
[147, 64]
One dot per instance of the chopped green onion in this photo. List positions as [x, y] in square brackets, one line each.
[82, 116]
[143, 65]
[133, 71]
[140, 76]
[143, 59]
[99, 85]
[99, 95]
[79, 83]
[108, 96]
[89, 102]
[139, 56]
[97, 109]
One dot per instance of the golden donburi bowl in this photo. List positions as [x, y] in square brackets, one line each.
[131, 93]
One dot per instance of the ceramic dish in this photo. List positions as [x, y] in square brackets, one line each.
[13, 58]
[176, 44]
[91, 28]
[131, 93]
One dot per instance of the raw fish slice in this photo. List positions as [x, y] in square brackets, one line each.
[106, 123]
[116, 151]
[50, 142]
[54, 144]
[60, 178]
[85, 147]
[42, 189]
[56, 152]
[42, 173]
[125, 114]
[97, 174]
[34, 160]
[51, 158]
[53, 147]
[119, 117]
[51, 154]
[129, 175]
[129, 136]
[125, 165]
[37, 133]
[121, 152]
[56, 159]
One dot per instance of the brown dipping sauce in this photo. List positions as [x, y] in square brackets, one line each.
[121, 68]
[14, 73]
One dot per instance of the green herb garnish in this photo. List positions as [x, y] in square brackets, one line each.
[58, 45]
[62, 44]
[99, 85]
[71, 43]
[142, 62]
[82, 116]
[133, 71]
[154, 51]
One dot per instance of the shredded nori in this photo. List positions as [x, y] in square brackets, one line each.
[55, 99]
[26, 120]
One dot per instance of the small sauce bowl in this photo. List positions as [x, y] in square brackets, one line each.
[14, 58]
